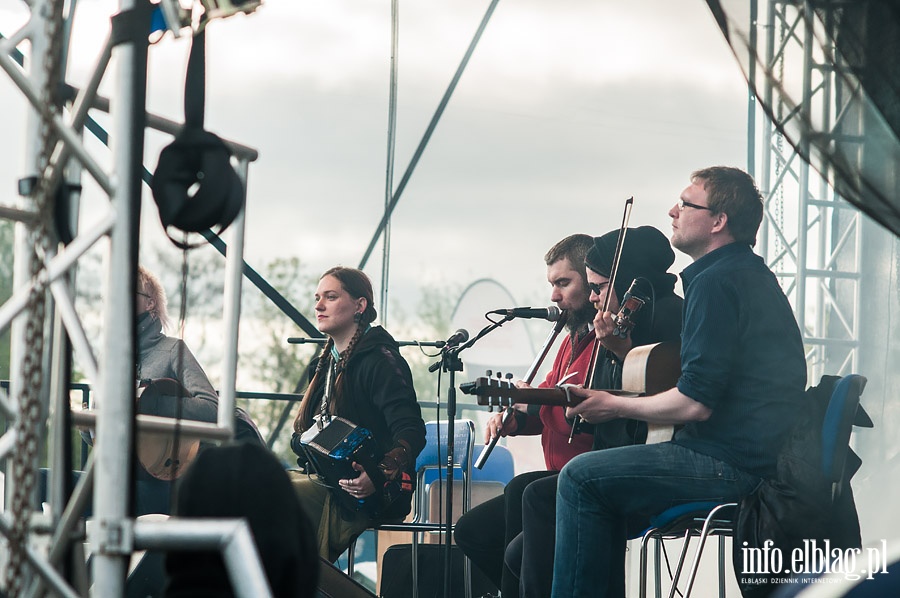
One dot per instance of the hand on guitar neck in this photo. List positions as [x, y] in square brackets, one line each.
[648, 369]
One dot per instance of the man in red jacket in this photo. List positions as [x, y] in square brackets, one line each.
[484, 531]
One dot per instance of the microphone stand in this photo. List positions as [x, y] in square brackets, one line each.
[529, 378]
[300, 340]
[451, 363]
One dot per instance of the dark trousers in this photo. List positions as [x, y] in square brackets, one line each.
[484, 531]
[529, 556]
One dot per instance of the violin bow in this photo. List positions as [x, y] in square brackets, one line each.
[617, 256]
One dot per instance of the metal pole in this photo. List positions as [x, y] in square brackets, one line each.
[234, 261]
[22, 260]
[764, 180]
[230, 536]
[751, 90]
[111, 537]
[428, 131]
[803, 179]
[389, 175]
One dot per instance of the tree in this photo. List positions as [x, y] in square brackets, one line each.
[430, 321]
[267, 362]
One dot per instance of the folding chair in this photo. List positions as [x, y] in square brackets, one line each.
[432, 458]
[705, 519]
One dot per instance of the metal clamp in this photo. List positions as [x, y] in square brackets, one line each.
[113, 536]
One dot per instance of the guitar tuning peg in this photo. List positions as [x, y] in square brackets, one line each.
[509, 376]
[499, 375]
[488, 373]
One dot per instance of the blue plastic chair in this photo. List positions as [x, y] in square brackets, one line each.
[431, 460]
[500, 467]
[705, 519]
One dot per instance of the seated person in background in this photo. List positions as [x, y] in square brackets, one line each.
[646, 257]
[485, 530]
[360, 377]
[161, 356]
[164, 357]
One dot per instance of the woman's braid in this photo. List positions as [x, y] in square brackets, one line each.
[341, 366]
[306, 408]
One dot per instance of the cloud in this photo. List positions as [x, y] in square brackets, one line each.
[566, 108]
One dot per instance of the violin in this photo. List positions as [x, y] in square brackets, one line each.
[635, 298]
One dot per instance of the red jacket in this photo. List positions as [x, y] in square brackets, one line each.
[552, 424]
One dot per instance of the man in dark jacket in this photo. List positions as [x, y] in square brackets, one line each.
[738, 394]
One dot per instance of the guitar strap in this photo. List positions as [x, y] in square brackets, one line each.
[324, 417]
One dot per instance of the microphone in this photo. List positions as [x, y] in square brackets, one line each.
[450, 346]
[544, 313]
[458, 337]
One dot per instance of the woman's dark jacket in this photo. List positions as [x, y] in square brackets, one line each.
[378, 394]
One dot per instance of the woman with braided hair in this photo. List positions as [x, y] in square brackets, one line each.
[360, 377]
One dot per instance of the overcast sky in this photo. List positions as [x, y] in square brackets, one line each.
[566, 109]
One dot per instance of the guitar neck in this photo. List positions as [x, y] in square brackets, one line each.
[499, 393]
[504, 397]
[648, 369]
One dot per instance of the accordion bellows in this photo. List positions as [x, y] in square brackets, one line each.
[333, 449]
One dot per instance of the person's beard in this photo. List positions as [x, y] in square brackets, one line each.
[580, 317]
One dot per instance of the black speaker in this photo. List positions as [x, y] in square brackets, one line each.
[396, 573]
[334, 583]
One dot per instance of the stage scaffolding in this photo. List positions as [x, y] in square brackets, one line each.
[817, 139]
[820, 76]
[114, 536]
[43, 304]
[811, 238]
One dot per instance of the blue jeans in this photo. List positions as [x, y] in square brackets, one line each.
[608, 496]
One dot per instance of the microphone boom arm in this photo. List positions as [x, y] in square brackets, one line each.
[529, 377]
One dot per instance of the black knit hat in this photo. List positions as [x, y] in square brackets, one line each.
[646, 254]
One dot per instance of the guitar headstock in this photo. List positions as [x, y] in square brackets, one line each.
[491, 390]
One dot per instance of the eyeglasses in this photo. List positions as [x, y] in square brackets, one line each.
[686, 204]
[597, 288]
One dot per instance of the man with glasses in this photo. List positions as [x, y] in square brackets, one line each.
[743, 375]
[645, 257]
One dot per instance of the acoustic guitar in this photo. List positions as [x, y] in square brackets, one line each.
[165, 455]
[647, 370]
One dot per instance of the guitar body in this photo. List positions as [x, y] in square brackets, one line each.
[163, 455]
[651, 369]
[647, 370]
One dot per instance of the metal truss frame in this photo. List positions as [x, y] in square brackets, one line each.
[810, 237]
[114, 536]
